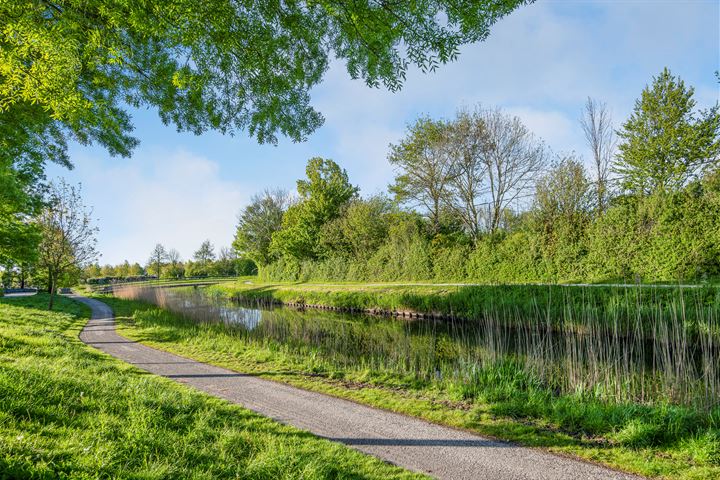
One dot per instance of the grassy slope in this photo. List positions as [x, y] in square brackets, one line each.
[67, 410]
[629, 439]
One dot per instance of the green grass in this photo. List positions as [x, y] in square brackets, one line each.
[552, 302]
[69, 411]
[658, 441]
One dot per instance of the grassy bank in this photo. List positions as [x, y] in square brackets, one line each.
[559, 304]
[660, 440]
[68, 411]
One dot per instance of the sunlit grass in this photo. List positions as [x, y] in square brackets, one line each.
[69, 411]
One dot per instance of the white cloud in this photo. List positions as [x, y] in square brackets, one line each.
[173, 197]
[553, 127]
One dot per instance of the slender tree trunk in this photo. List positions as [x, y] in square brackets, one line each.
[51, 281]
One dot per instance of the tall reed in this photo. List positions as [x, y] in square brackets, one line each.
[647, 354]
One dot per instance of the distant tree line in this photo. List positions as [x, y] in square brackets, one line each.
[479, 198]
[167, 263]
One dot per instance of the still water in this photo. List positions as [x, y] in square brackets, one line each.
[621, 363]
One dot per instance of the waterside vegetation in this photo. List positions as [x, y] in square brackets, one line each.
[638, 397]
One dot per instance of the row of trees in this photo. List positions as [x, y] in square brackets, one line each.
[478, 197]
[167, 263]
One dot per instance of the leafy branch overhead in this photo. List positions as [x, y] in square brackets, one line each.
[217, 64]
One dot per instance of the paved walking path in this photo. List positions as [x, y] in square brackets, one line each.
[411, 443]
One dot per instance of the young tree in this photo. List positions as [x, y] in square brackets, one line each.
[424, 168]
[596, 124]
[205, 254]
[136, 270]
[174, 263]
[93, 271]
[665, 143]
[68, 235]
[322, 197]
[226, 263]
[123, 270]
[562, 195]
[258, 222]
[158, 256]
[513, 159]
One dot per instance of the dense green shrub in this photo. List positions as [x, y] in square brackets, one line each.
[664, 237]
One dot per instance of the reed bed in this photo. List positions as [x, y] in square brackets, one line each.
[654, 357]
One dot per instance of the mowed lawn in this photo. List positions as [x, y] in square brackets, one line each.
[69, 411]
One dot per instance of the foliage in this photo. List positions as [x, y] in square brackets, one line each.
[665, 143]
[490, 209]
[359, 230]
[257, 223]
[215, 65]
[321, 199]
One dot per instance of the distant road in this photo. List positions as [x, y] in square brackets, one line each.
[441, 452]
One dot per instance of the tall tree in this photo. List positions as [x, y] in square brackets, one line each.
[158, 257]
[68, 235]
[596, 123]
[514, 159]
[257, 222]
[665, 143]
[424, 168]
[468, 183]
[322, 196]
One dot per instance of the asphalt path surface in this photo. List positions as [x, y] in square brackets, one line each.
[414, 444]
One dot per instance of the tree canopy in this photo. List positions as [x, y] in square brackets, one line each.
[216, 64]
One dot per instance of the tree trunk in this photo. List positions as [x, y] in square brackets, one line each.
[51, 282]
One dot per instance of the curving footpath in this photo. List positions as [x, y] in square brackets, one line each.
[408, 442]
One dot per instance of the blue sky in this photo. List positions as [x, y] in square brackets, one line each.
[540, 63]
